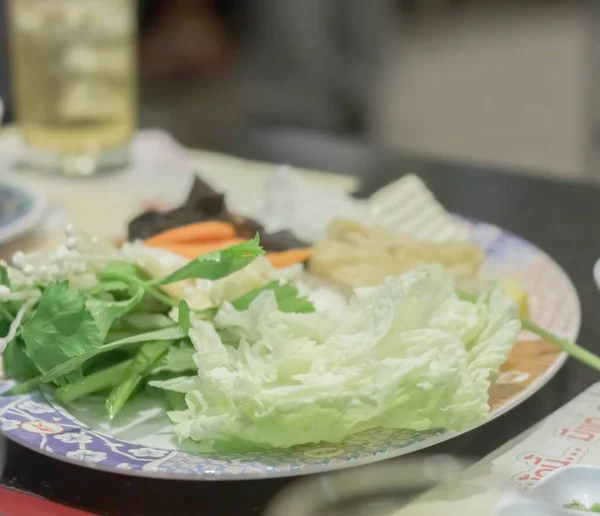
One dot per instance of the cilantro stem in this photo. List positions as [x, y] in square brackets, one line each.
[91, 383]
[175, 400]
[571, 348]
[146, 357]
[115, 335]
[16, 323]
[148, 288]
[172, 333]
[23, 387]
[107, 287]
[5, 313]
[576, 351]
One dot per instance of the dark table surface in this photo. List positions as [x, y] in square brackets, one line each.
[561, 218]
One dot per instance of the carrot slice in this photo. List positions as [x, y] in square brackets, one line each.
[291, 257]
[191, 251]
[196, 233]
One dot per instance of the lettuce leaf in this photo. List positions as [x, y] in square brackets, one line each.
[406, 354]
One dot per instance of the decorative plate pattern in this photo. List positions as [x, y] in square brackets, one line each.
[37, 422]
[21, 208]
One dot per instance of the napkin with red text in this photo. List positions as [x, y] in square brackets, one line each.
[569, 436]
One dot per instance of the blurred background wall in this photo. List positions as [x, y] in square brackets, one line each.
[508, 83]
[501, 82]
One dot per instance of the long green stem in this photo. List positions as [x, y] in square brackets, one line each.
[576, 351]
[5, 313]
[148, 288]
[147, 356]
[173, 333]
[571, 348]
[24, 387]
[175, 400]
[107, 287]
[94, 382]
[116, 335]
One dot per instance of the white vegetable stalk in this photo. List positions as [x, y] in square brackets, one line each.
[14, 327]
[78, 255]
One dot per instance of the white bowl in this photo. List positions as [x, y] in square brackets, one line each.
[549, 496]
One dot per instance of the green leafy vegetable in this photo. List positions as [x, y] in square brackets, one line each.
[100, 380]
[61, 328]
[62, 333]
[571, 348]
[287, 296]
[578, 506]
[5, 314]
[218, 264]
[143, 322]
[115, 334]
[24, 387]
[108, 286]
[4, 279]
[7, 309]
[406, 354]
[128, 273]
[175, 400]
[16, 363]
[173, 333]
[184, 316]
[105, 312]
[146, 357]
[179, 359]
[121, 268]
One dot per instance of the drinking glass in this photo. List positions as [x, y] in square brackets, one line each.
[74, 82]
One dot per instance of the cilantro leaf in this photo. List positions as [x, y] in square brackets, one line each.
[184, 316]
[109, 286]
[16, 363]
[173, 333]
[179, 359]
[120, 268]
[578, 506]
[42, 345]
[286, 294]
[61, 328]
[4, 279]
[106, 312]
[120, 273]
[218, 264]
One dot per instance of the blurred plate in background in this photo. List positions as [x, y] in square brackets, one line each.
[21, 208]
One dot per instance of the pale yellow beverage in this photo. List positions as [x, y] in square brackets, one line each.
[74, 81]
